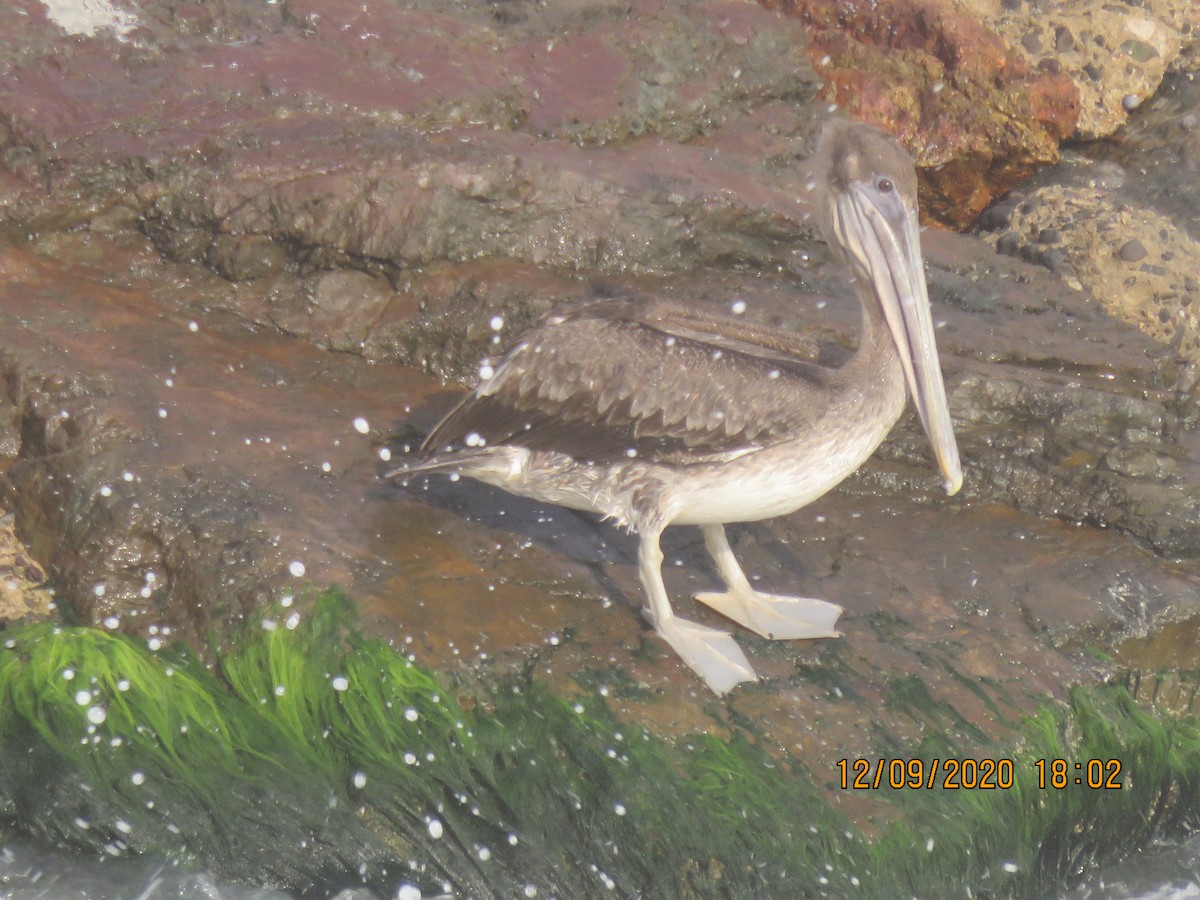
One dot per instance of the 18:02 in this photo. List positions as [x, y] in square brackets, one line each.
[1097, 774]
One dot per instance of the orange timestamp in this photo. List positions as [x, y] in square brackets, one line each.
[947, 774]
[974, 774]
[1098, 774]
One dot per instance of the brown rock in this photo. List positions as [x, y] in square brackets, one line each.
[975, 114]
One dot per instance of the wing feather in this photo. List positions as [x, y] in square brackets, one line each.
[617, 379]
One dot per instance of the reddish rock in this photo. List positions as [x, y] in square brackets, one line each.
[975, 115]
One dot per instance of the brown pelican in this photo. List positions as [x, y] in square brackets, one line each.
[652, 415]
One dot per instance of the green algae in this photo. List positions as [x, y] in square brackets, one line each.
[314, 757]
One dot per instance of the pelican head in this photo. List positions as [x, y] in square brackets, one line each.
[867, 210]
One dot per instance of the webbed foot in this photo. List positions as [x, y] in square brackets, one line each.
[775, 616]
[713, 655]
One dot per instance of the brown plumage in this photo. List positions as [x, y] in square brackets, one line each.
[557, 390]
[650, 413]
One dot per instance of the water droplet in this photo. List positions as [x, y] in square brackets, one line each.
[296, 568]
[738, 307]
[361, 425]
[436, 829]
[360, 780]
[97, 714]
[138, 778]
[410, 714]
[83, 698]
[340, 683]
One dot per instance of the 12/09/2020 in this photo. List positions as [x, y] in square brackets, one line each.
[974, 774]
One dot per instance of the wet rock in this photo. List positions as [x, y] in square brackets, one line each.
[139, 570]
[588, 74]
[1141, 464]
[333, 309]
[245, 257]
[1082, 437]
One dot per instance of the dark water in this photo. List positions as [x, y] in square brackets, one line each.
[1160, 872]
[31, 873]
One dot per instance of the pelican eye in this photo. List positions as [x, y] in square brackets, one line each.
[884, 185]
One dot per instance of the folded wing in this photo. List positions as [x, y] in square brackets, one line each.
[618, 379]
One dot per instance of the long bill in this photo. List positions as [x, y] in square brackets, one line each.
[889, 245]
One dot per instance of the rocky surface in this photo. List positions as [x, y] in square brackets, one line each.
[1122, 222]
[1115, 54]
[218, 304]
[979, 118]
[984, 90]
[22, 591]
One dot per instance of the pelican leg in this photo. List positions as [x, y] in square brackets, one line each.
[771, 615]
[713, 655]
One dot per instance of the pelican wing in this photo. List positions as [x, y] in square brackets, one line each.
[618, 380]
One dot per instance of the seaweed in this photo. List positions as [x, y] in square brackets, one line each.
[314, 757]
